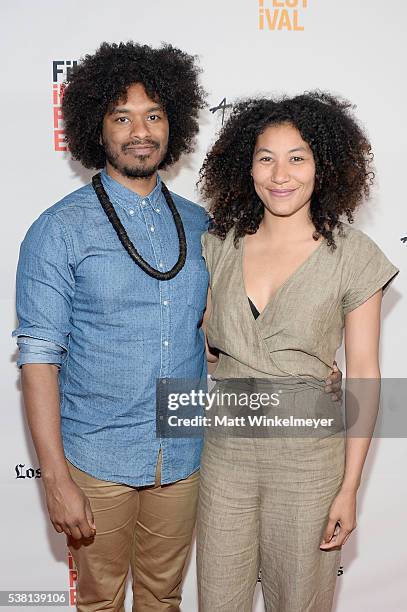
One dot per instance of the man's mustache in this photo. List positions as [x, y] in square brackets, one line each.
[141, 143]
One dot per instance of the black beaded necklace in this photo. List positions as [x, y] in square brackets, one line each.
[127, 243]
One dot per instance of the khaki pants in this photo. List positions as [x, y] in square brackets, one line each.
[264, 503]
[149, 529]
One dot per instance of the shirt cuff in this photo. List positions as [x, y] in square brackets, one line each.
[33, 350]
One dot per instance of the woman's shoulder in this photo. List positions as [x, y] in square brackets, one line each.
[368, 268]
[215, 248]
[213, 243]
[363, 255]
[354, 240]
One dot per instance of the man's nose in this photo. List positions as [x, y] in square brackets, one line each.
[139, 129]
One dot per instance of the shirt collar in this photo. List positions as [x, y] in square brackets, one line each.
[129, 198]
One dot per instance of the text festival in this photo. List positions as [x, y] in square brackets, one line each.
[73, 578]
[60, 71]
[281, 14]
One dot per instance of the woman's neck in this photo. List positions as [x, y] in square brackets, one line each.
[287, 228]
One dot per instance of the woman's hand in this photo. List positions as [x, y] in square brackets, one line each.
[341, 520]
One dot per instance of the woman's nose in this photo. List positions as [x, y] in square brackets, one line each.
[280, 173]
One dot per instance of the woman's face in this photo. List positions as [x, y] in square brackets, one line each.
[283, 170]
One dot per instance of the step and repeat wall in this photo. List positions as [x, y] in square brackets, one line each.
[246, 47]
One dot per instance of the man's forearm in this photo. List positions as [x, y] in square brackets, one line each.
[41, 397]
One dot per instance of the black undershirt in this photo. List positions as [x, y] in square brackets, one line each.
[253, 309]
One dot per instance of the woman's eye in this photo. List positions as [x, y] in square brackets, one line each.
[265, 159]
[297, 159]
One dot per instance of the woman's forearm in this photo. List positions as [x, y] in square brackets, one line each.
[362, 398]
[362, 389]
[356, 451]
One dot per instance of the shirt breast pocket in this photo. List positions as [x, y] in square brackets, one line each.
[194, 284]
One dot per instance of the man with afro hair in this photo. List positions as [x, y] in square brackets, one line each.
[111, 289]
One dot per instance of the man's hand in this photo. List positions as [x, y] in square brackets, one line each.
[68, 507]
[333, 384]
[69, 510]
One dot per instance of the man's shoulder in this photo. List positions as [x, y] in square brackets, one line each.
[53, 222]
[194, 210]
[62, 217]
[83, 197]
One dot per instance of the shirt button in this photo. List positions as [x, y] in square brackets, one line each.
[165, 342]
[157, 209]
[161, 265]
[131, 212]
[152, 228]
[165, 302]
[143, 202]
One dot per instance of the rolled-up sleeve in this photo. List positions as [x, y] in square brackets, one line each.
[45, 287]
[32, 350]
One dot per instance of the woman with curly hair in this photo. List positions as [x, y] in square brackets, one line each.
[286, 277]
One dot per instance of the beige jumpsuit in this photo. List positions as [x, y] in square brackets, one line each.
[264, 502]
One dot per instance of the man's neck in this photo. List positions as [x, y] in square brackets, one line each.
[141, 186]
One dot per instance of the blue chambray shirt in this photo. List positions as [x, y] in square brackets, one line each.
[83, 304]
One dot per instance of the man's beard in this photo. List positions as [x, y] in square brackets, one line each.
[133, 172]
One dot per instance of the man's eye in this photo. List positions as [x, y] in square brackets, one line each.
[153, 117]
[122, 119]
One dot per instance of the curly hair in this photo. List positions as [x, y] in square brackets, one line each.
[169, 76]
[341, 151]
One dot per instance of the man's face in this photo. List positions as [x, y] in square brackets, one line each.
[135, 134]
